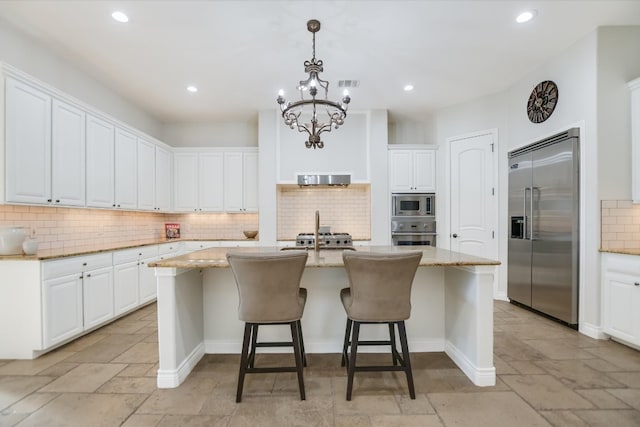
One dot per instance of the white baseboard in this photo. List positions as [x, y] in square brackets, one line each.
[592, 331]
[501, 296]
[172, 378]
[482, 377]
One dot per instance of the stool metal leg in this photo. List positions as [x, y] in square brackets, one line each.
[243, 360]
[253, 344]
[347, 336]
[407, 360]
[352, 359]
[304, 353]
[392, 339]
[295, 337]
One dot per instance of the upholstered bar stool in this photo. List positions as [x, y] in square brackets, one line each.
[270, 294]
[379, 292]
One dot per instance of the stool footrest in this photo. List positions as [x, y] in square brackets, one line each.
[379, 368]
[271, 369]
[273, 344]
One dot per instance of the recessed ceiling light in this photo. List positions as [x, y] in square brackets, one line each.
[120, 16]
[408, 88]
[526, 16]
[192, 89]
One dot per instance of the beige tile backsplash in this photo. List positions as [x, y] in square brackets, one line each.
[620, 225]
[56, 227]
[344, 209]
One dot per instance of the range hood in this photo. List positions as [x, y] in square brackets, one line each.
[324, 180]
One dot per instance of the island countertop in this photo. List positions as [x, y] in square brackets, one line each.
[217, 257]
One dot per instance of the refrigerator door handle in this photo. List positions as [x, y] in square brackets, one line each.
[524, 213]
[532, 189]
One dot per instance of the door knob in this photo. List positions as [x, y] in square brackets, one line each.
[454, 235]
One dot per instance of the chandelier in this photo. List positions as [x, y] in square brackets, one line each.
[292, 112]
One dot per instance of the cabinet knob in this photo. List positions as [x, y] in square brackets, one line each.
[49, 200]
[454, 235]
[57, 201]
[88, 275]
[636, 284]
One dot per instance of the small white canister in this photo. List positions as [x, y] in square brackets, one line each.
[11, 239]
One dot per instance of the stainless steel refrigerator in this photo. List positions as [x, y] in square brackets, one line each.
[544, 226]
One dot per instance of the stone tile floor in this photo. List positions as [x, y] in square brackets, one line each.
[547, 375]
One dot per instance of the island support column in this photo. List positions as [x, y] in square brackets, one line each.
[469, 321]
[180, 324]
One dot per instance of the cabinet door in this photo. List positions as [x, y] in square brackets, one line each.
[62, 308]
[233, 182]
[400, 170]
[97, 288]
[126, 170]
[146, 175]
[163, 180]
[100, 163]
[211, 182]
[185, 194]
[125, 287]
[250, 182]
[147, 281]
[68, 155]
[635, 139]
[621, 303]
[28, 144]
[424, 171]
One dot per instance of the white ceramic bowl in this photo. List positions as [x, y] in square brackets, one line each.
[11, 239]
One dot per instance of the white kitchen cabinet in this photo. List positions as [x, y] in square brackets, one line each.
[100, 163]
[77, 296]
[241, 181]
[146, 174]
[621, 297]
[412, 170]
[199, 181]
[97, 296]
[634, 86]
[62, 311]
[134, 282]
[28, 143]
[68, 155]
[126, 170]
[163, 180]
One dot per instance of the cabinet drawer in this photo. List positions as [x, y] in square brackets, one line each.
[622, 263]
[169, 248]
[72, 265]
[135, 254]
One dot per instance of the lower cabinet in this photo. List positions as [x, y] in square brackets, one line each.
[147, 287]
[62, 308]
[134, 282]
[125, 292]
[97, 292]
[621, 297]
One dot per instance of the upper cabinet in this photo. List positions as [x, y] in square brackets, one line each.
[45, 148]
[412, 170]
[163, 180]
[100, 161]
[199, 181]
[28, 143]
[146, 175]
[635, 139]
[125, 170]
[241, 181]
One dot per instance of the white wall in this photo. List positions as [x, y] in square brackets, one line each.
[31, 57]
[225, 134]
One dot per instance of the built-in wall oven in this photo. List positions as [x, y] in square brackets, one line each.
[413, 221]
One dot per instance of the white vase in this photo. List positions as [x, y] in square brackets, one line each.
[30, 246]
[11, 239]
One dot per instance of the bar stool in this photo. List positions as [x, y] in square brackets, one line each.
[270, 294]
[379, 292]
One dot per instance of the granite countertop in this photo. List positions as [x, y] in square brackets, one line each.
[216, 257]
[626, 251]
[69, 251]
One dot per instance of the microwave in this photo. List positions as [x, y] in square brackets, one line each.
[413, 204]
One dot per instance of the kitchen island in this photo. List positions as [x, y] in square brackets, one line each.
[452, 309]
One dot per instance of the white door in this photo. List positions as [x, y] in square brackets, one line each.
[62, 308]
[97, 286]
[211, 182]
[474, 198]
[28, 144]
[100, 161]
[126, 170]
[125, 287]
[146, 175]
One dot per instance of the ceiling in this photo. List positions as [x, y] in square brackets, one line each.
[240, 53]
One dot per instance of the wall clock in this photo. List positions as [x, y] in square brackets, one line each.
[542, 101]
